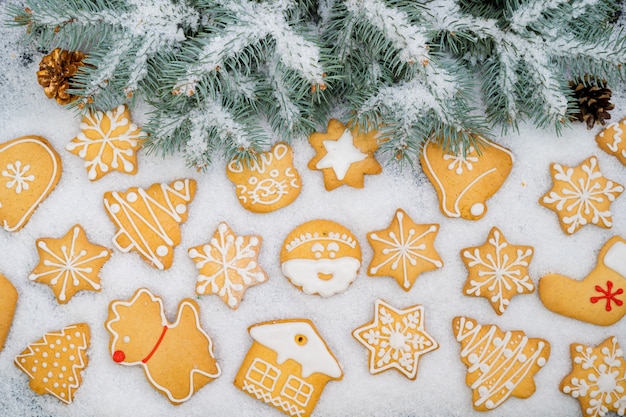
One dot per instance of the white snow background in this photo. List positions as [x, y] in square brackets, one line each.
[109, 389]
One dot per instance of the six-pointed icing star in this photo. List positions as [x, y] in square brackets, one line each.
[395, 339]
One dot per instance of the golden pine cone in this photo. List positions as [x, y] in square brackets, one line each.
[55, 71]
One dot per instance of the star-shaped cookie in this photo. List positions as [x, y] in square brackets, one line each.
[404, 250]
[344, 155]
[395, 339]
[69, 264]
[497, 270]
[228, 265]
[581, 195]
[108, 142]
[598, 378]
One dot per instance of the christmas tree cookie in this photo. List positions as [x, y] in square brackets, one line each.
[69, 264]
[598, 378]
[613, 140]
[581, 195]
[177, 358]
[464, 183]
[148, 220]
[344, 155]
[267, 184]
[600, 298]
[55, 362]
[497, 270]
[396, 339]
[8, 302]
[404, 250]
[499, 364]
[108, 142]
[228, 265]
[287, 366]
[30, 168]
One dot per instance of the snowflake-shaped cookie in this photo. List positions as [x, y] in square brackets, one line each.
[228, 265]
[598, 378]
[396, 339]
[69, 264]
[108, 142]
[404, 250]
[581, 195]
[497, 270]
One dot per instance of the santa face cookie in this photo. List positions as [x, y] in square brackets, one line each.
[177, 358]
[269, 183]
[321, 257]
[287, 366]
[30, 168]
[612, 140]
[8, 302]
[55, 363]
[344, 155]
[465, 183]
[148, 220]
[108, 142]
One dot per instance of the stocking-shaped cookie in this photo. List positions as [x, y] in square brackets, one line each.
[600, 298]
[149, 220]
[465, 183]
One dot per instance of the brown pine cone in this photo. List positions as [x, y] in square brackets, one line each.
[55, 71]
[593, 97]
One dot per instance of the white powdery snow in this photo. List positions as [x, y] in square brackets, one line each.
[109, 389]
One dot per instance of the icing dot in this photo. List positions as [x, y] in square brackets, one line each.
[34, 369]
[509, 385]
[44, 380]
[55, 364]
[58, 342]
[56, 385]
[126, 339]
[131, 197]
[119, 356]
[162, 250]
[477, 209]
[51, 346]
[72, 357]
[44, 365]
[77, 334]
[63, 394]
[50, 374]
[181, 208]
[45, 354]
[473, 358]
[522, 358]
[64, 368]
[541, 361]
[70, 379]
[57, 355]
[489, 404]
[23, 360]
[179, 185]
[115, 208]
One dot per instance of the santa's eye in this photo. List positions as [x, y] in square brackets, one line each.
[126, 339]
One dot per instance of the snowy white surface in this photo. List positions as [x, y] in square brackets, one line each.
[109, 389]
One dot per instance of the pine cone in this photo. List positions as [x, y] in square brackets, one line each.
[593, 98]
[55, 71]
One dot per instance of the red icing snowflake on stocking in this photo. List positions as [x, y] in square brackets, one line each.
[609, 295]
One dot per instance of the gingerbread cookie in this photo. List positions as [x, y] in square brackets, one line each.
[600, 298]
[598, 378]
[581, 195]
[228, 265]
[287, 366]
[499, 364]
[108, 142]
[396, 339]
[321, 257]
[497, 270]
[613, 141]
[30, 169]
[176, 358]
[69, 264]
[55, 362]
[465, 183]
[149, 220]
[344, 155]
[404, 250]
[8, 302]
[267, 184]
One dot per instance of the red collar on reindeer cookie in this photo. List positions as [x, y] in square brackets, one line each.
[119, 356]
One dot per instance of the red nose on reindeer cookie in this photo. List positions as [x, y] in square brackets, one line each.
[177, 358]
[600, 298]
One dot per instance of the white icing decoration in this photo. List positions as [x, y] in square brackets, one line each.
[313, 356]
[615, 258]
[459, 162]
[455, 211]
[162, 250]
[340, 154]
[117, 206]
[477, 209]
[617, 138]
[51, 182]
[18, 177]
[171, 329]
[305, 273]
[265, 396]
[131, 197]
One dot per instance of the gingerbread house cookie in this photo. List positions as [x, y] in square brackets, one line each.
[612, 140]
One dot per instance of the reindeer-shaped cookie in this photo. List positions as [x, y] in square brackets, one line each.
[177, 358]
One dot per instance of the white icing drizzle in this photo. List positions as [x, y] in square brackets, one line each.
[119, 206]
[340, 154]
[183, 305]
[484, 352]
[614, 146]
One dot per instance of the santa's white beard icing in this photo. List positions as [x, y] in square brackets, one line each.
[325, 277]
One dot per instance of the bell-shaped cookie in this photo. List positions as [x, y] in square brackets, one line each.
[465, 183]
[600, 298]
